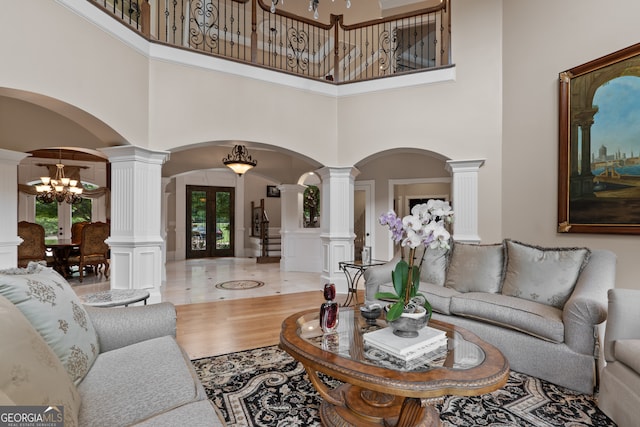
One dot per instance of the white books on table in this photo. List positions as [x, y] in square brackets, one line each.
[428, 340]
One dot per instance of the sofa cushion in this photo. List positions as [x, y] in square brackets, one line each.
[628, 352]
[539, 320]
[475, 268]
[30, 372]
[438, 296]
[134, 383]
[434, 266]
[56, 312]
[545, 275]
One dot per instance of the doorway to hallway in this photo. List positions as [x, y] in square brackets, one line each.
[210, 221]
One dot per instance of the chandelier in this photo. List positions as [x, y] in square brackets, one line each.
[59, 189]
[239, 160]
[313, 6]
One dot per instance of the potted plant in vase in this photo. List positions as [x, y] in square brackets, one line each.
[425, 227]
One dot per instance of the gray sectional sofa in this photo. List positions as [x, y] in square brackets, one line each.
[619, 396]
[544, 308]
[104, 366]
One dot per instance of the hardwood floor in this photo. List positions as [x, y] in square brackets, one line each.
[220, 327]
[213, 321]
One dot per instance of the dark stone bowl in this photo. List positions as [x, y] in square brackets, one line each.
[371, 314]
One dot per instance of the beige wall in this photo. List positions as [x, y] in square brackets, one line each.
[541, 39]
[502, 105]
[65, 57]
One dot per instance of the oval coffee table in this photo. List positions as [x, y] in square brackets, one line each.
[380, 389]
[116, 297]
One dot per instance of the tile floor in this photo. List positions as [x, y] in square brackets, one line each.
[194, 280]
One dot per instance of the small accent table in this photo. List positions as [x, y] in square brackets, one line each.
[116, 297]
[354, 270]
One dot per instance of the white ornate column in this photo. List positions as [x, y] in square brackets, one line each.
[136, 203]
[465, 199]
[336, 222]
[9, 239]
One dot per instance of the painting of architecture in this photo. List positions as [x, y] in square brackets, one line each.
[599, 170]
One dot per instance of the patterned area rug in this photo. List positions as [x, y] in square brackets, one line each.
[266, 387]
[239, 284]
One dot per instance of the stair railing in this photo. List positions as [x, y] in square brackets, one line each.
[247, 31]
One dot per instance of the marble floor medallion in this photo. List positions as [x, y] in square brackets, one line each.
[240, 284]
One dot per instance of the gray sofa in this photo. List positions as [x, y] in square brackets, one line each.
[620, 383]
[544, 308]
[104, 366]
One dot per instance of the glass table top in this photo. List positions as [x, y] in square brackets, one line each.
[348, 342]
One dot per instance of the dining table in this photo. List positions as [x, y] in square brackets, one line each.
[61, 250]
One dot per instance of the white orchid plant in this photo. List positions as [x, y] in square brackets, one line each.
[426, 227]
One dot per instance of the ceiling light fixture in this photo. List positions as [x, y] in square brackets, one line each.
[60, 188]
[239, 160]
[313, 6]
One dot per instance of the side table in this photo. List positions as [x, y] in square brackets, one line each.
[116, 297]
[354, 270]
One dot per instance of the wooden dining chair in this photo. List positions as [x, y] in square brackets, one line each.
[93, 248]
[76, 232]
[32, 247]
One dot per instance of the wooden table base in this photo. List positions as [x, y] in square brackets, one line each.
[366, 408]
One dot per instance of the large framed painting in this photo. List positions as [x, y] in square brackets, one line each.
[599, 158]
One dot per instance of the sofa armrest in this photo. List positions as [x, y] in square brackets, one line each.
[587, 306]
[122, 326]
[376, 276]
[623, 321]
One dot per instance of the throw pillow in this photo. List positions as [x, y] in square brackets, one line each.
[544, 275]
[476, 268]
[56, 312]
[434, 266]
[30, 372]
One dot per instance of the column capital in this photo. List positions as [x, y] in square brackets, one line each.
[338, 171]
[464, 165]
[128, 153]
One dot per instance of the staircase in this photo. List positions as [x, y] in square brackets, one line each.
[271, 250]
[270, 246]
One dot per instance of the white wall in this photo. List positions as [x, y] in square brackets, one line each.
[542, 39]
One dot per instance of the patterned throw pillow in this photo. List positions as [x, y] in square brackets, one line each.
[544, 275]
[476, 268]
[56, 312]
[30, 372]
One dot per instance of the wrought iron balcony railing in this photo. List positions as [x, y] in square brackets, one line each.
[247, 31]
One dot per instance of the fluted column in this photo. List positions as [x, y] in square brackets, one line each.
[9, 239]
[465, 199]
[336, 222]
[136, 203]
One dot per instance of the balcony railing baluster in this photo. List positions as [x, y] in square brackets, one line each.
[330, 52]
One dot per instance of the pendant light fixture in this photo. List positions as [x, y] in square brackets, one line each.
[239, 160]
